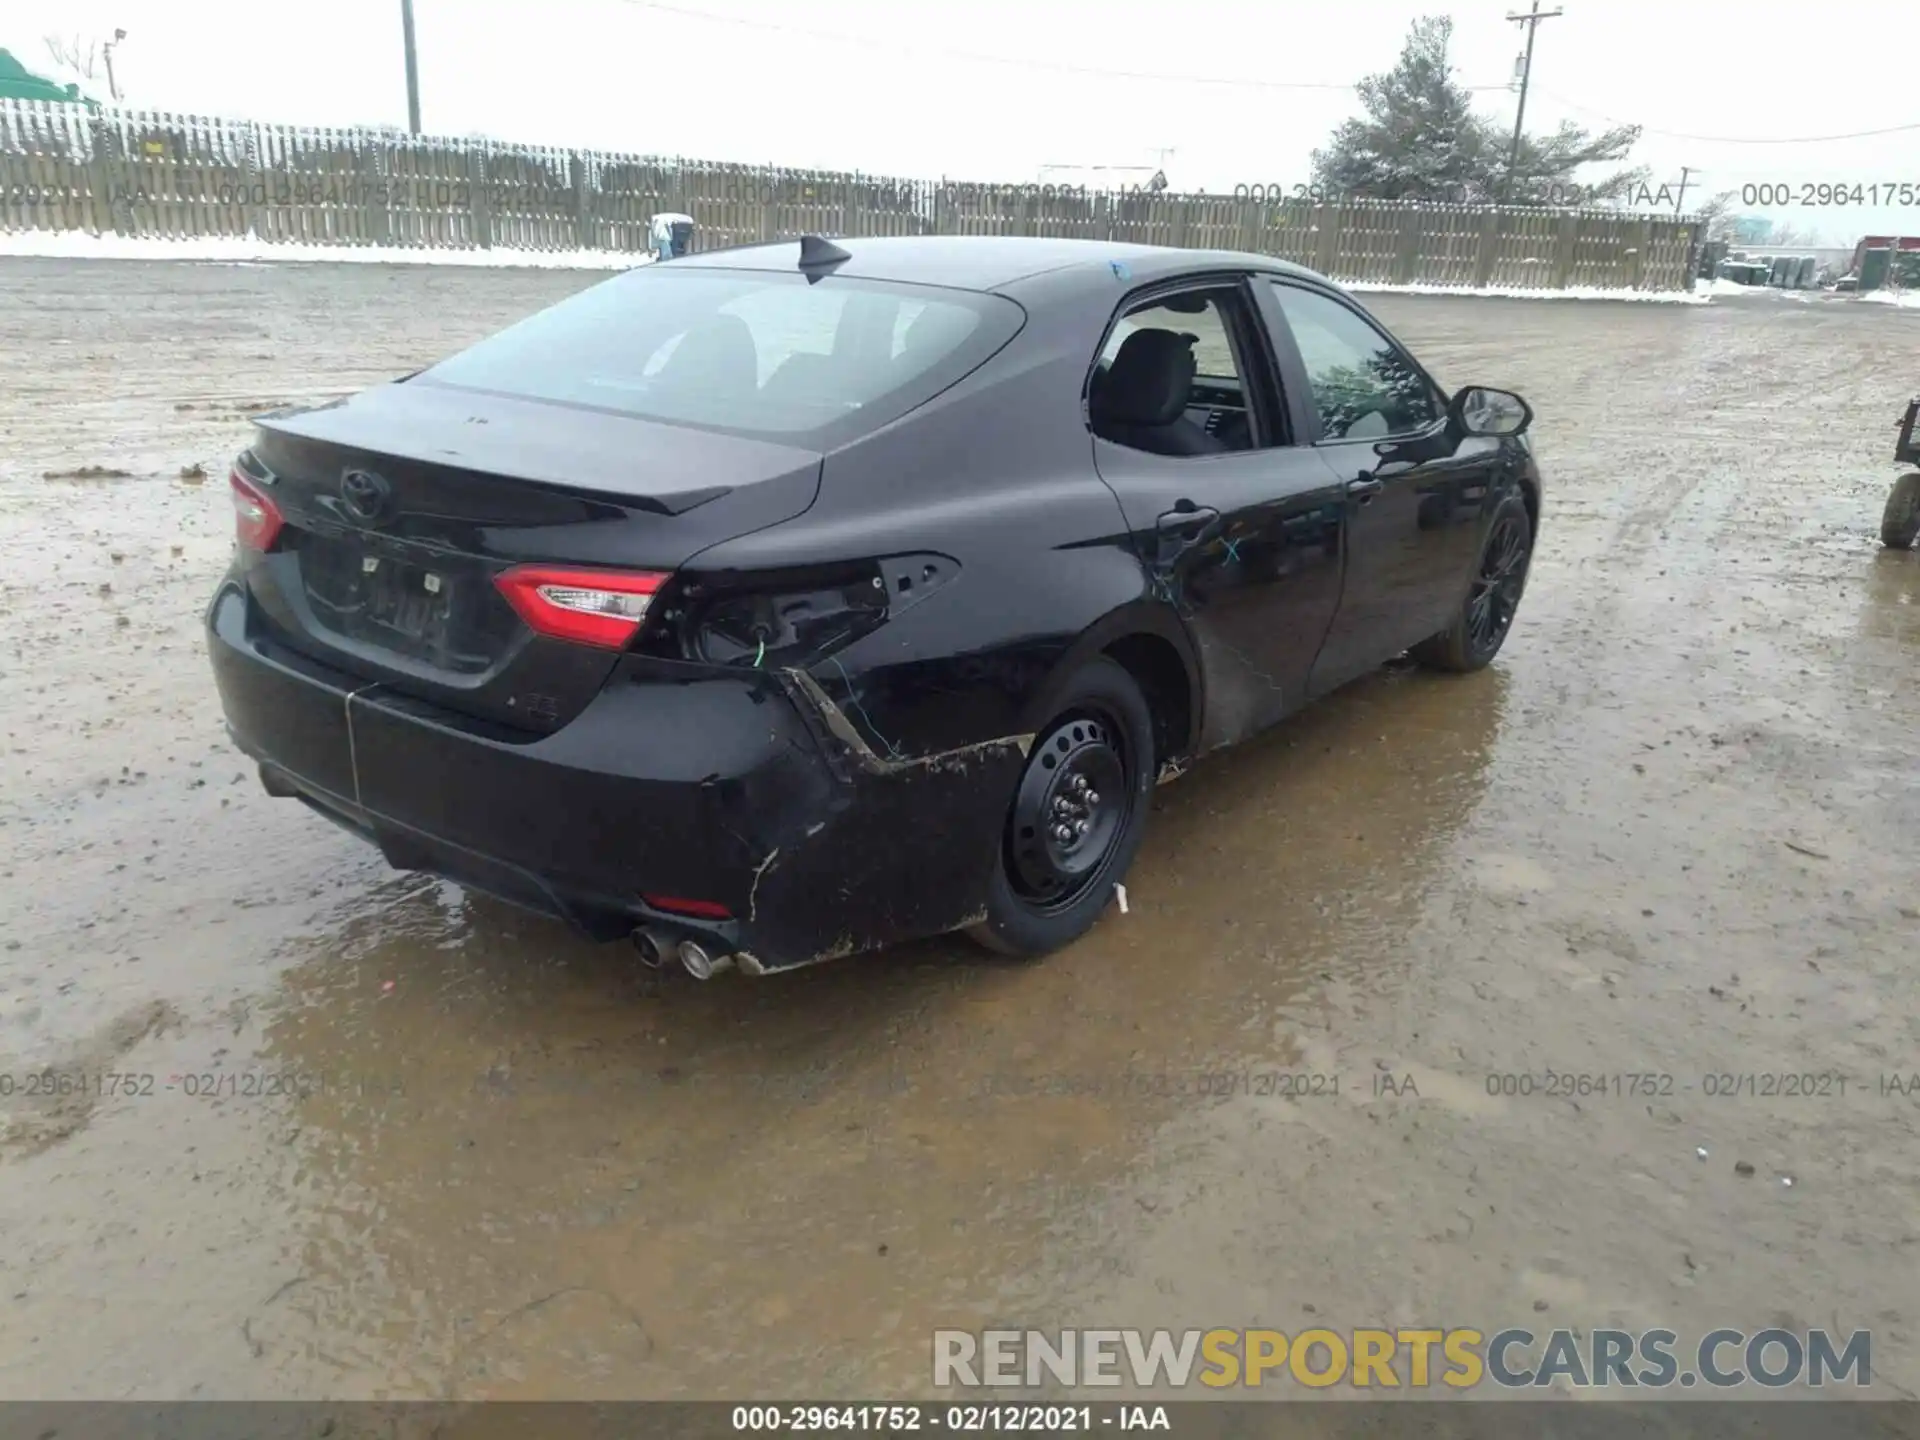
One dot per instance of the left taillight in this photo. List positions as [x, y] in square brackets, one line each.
[589, 607]
[256, 519]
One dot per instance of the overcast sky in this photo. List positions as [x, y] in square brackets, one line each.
[996, 89]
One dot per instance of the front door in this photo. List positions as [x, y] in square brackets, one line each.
[1237, 525]
[1417, 493]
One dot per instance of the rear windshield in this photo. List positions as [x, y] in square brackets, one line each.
[757, 352]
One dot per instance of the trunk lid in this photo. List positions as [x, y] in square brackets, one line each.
[403, 503]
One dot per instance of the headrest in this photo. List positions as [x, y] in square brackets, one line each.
[719, 353]
[1149, 380]
[934, 331]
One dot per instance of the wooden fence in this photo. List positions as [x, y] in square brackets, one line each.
[141, 173]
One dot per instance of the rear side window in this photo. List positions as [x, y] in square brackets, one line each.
[1212, 351]
[755, 352]
[1179, 375]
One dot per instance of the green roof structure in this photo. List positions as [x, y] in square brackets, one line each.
[19, 83]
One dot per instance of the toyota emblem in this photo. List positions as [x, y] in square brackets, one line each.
[364, 495]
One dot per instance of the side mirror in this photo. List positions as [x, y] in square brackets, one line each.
[1477, 410]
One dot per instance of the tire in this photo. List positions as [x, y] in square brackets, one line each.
[1499, 581]
[1900, 523]
[1101, 732]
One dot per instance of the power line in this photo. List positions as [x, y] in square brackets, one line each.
[980, 57]
[1730, 139]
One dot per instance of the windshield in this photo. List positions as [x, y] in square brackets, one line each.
[761, 353]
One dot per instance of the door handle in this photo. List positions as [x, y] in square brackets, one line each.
[1365, 488]
[1185, 517]
[1180, 529]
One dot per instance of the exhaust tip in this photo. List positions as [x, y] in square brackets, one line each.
[701, 964]
[653, 952]
[276, 784]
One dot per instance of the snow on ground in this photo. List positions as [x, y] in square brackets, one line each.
[1720, 285]
[1572, 292]
[78, 245]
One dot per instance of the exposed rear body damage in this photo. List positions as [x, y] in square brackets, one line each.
[825, 847]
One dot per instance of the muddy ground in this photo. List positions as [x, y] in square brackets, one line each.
[1675, 831]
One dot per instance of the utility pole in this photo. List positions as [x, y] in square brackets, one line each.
[106, 50]
[413, 66]
[1681, 199]
[1532, 21]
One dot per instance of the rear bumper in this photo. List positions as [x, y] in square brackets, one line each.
[748, 790]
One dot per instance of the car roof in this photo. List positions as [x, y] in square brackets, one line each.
[987, 262]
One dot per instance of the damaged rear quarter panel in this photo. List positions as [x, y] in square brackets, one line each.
[906, 850]
[829, 846]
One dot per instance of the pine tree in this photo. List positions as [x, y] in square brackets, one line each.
[1421, 140]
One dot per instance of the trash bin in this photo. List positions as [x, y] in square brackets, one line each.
[671, 234]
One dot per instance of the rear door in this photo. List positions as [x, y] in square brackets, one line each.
[1415, 493]
[1242, 539]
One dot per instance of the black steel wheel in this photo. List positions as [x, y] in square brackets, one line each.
[1076, 817]
[1070, 810]
[1493, 598]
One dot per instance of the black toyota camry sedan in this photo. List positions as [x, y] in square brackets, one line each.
[776, 603]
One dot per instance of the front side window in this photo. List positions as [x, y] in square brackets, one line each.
[1364, 386]
[759, 352]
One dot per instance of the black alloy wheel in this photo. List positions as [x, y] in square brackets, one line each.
[1480, 627]
[1498, 587]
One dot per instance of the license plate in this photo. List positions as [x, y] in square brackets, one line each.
[412, 600]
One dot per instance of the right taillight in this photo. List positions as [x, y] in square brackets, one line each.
[589, 607]
[256, 519]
